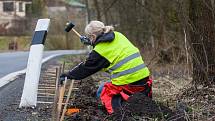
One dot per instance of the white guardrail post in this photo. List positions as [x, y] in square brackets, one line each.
[29, 95]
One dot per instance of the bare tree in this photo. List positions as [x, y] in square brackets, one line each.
[97, 9]
[202, 35]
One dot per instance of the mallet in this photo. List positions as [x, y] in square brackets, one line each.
[69, 27]
[85, 40]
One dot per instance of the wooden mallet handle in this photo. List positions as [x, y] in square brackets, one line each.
[76, 32]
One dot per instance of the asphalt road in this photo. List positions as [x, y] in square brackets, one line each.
[10, 97]
[15, 61]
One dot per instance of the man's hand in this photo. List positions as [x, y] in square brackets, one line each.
[63, 78]
[85, 40]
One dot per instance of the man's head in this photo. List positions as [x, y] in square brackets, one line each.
[96, 28]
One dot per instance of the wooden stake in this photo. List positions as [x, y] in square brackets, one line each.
[43, 102]
[46, 89]
[63, 67]
[45, 85]
[48, 94]
[61, 95]
[54, 111]
[67, 100]
[54, 88]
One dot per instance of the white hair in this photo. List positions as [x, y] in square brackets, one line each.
[97, 27]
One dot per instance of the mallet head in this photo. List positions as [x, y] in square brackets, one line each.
[69, 26]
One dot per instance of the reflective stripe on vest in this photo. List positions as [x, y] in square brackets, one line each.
[125, 60]
[132, 70]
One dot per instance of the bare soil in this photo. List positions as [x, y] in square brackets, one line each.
[138, 107]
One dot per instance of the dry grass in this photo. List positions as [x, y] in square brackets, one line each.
[22, 41]
[175, 90]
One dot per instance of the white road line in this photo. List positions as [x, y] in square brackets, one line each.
[12, 76]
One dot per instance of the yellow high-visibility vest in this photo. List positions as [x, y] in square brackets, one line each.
[126, 63]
